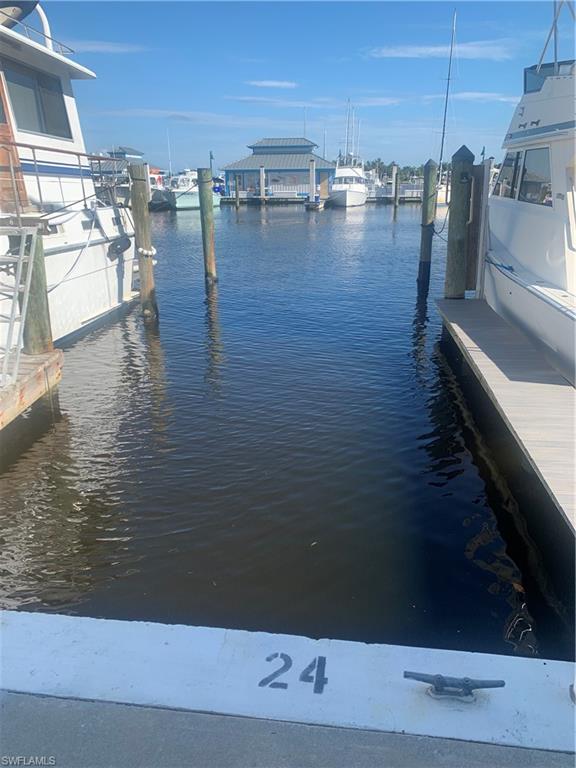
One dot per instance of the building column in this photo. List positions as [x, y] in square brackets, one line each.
[262, 182]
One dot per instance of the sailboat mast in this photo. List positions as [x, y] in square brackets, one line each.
[169, 151]
[358, 141]
[346, 149]
[447, 94]
[352, 145]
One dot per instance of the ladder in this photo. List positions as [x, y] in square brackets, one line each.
[17, 247]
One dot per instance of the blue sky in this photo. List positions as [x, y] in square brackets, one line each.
[219, 75]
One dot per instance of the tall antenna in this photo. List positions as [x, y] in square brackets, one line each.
[169, 151]
[304, 122]
[447, 94]
[347, 147]
[555, 38]
[324, 144]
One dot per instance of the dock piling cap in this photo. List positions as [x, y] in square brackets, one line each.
[463, 155]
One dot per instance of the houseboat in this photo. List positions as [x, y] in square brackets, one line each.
[48, 182]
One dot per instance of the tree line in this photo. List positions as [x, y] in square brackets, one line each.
[406, 172]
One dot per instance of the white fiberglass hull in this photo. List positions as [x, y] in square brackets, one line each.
[189, 200]
[550, 324]
[348, 198]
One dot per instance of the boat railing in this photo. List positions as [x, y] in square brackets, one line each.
[26, 170]
[37, 36]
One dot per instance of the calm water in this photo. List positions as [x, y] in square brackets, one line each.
[290, 454]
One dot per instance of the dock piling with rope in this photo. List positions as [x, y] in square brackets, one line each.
[144, 248]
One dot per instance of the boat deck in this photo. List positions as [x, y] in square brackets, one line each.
[37, 376]
[537, 404]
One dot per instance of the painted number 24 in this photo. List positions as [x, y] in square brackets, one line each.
[315, 673]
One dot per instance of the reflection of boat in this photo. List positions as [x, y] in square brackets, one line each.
[530, 269]
[183, 193]
[47, 177]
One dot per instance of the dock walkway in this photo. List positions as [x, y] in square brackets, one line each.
[536, 403]
[37, 376]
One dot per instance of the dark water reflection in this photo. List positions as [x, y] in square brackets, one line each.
[288, 452]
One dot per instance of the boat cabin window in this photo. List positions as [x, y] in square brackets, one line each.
[348, 180]
[536, 186]
[37, 100]
[507, 182]
[534, 78]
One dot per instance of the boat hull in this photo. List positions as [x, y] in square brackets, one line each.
[189, 200]
[347, 198]
[549, 324]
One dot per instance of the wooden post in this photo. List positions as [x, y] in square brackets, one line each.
[427, 233]
[395, 185]
[37, 331]
[144, 248]
[473, 244]
[262, 183]
[207, 220]
[237, 191]
[482, 239]
[312, 182]
[455, 282]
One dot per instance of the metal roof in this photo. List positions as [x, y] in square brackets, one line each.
[297, 142]
[281, 162]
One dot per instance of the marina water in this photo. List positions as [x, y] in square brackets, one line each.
[289, 452]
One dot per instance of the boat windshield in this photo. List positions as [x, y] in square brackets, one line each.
[349, 180]
[534, 78]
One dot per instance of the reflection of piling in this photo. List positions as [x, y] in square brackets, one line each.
[427, 233]
[214, 341]
[207, 220]
[455, 282]
[37, 331]
[146, 251]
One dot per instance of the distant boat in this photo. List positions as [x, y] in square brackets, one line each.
[184, 195]
[350, 185]
[159, 197]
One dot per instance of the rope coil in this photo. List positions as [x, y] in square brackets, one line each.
[147, 252]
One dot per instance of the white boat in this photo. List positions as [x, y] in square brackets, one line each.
[184, 194]
[47, 180]
[529, 274]
[349, 186]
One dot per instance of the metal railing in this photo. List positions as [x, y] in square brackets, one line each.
[105, 174]
[36, 35]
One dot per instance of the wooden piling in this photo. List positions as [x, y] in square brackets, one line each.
[475, 217]
[207, 221]
[262, 184]
[312, 182]
[37, 331]
[144, 248]
[455, 281]
[237, 192]
[427, 233]
[395, 185]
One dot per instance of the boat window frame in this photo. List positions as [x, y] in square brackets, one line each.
[40, 108]
[521, 177]
[516, 174]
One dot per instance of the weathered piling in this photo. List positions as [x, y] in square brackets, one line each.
[427, 233]
[144, 248]
[395, 185]
[312, 182]
[262, 183]
[455, 281]
[207, 221]
[237, 192]
[473, 245]
[37, 331]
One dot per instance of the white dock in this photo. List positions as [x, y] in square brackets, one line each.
[536, 403]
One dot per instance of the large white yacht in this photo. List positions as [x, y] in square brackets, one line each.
[530, 270]
[349, 187]
[47, 180]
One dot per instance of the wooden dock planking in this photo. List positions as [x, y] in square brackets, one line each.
[536, 403]
[37, 375]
